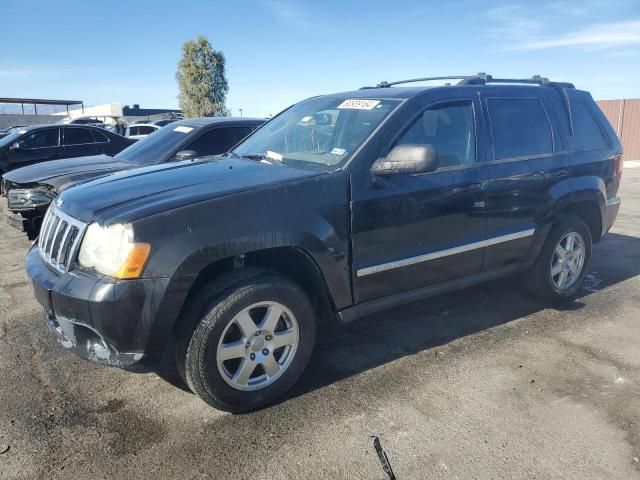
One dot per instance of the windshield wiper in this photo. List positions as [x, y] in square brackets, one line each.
[261, 157]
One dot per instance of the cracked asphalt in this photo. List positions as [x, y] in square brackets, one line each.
[483, 383]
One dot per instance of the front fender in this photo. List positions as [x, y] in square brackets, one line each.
[311, 215]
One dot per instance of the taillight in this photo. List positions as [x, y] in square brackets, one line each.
[619, 163]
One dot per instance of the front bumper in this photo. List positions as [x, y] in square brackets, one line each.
[115, 323]
[26, 222]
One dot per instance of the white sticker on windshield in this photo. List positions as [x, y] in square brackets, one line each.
[276, 156]
[183, 129]
[338, 151]
[358, 104]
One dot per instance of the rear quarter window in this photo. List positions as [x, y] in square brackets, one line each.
[587, 134]
[519, 128]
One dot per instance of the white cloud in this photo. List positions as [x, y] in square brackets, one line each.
[595, 37]
[289, 13]
[513, 21]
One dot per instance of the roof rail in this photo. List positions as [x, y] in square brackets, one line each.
[384, 84]
[480, 79]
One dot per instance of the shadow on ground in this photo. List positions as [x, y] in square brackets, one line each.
[430, 323]
[389, 335]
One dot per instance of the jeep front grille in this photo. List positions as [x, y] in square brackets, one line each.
[59, 239]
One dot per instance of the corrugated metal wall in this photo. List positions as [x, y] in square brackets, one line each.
[624, 116]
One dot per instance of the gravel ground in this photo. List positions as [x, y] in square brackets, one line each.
[482, 383]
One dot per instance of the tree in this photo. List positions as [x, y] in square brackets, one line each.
[202, 81]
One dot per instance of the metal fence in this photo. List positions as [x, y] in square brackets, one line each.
[624, 116]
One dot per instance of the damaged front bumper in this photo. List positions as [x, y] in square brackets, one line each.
[87, 343]
[114, 323]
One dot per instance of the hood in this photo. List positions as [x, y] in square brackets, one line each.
[127, 196]
[60, 172]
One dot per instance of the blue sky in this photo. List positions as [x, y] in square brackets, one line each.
[282, 51]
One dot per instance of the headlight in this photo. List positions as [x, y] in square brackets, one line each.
[111, 251]
[18, 198]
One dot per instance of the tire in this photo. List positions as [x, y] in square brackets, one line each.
[266, 326]
[197, 305]
[539, 279]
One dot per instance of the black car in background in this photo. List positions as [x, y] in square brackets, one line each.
[30, 190]
[42, 143]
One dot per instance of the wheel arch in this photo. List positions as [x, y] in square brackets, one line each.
[584, 197]
[290, 261]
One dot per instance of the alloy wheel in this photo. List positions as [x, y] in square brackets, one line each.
[257, 346]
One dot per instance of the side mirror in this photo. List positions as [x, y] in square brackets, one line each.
[15, 146]
[186, 155]
[406, 160]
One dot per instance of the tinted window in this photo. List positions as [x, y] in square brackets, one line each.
[587, 133]
[218, 140]
[159, 146]
[519, 127]
[450, 129]
[77, 136]
[146, 130]
[99, 136]
[40, 139]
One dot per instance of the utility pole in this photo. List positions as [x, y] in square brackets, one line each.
[240, 110]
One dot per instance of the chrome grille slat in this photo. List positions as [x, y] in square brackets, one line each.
[52, 239]
[60, 248]
[59, 239]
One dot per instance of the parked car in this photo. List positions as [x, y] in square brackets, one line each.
[30, 190]
[407, 193]
[48, 142]
[141, 130]
[165, 121]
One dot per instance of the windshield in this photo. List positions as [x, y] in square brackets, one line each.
[12, 137]
[317, 133]
[156, 147]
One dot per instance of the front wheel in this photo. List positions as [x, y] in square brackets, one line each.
[251, 345]
[562, 265]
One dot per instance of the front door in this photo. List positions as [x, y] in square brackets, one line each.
[410, 231]
[38, 146]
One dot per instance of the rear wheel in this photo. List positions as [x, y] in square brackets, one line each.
[251, 344]
[562, 265]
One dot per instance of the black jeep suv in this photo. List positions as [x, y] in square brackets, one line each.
[340, 206]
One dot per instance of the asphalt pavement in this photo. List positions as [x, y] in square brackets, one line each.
[483, 383]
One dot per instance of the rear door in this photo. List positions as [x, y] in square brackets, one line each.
[410, 231]
[101, 141]
[79, 142]
[38, 146]
[527, 159]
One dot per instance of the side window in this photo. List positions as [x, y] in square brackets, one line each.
[146, 130]
[450, 129]
[44, 138]
[587, 133]
[134, 130]
[77, 136]
[99, 137]
[219, 140]
[519, 127]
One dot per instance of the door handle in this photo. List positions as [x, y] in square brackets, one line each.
[473, 188]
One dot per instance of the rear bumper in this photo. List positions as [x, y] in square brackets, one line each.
[116, 323]
[610, 213]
